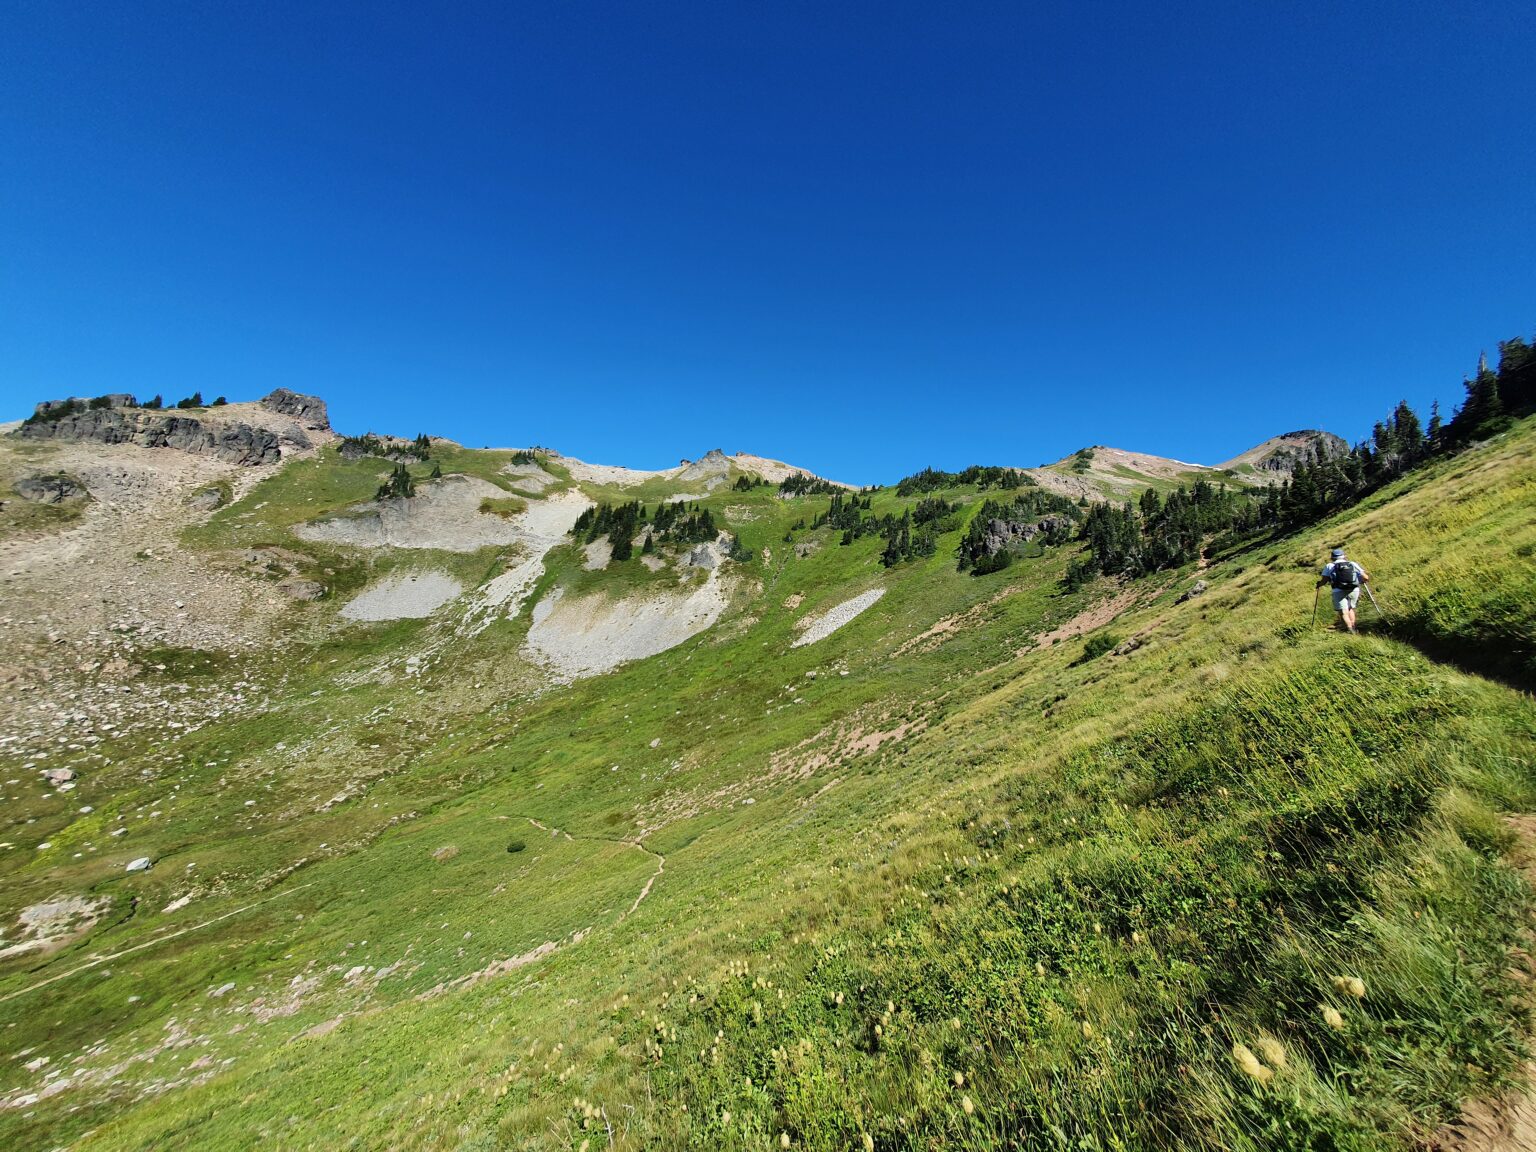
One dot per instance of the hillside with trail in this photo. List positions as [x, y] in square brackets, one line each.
[377, 792]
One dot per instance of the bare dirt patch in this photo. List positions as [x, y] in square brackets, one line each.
[1085, 621]
[943, 629]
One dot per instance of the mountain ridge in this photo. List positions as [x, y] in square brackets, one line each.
[117, 417]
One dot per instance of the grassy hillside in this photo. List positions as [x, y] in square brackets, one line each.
[943, 878]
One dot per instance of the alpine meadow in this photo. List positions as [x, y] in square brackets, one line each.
[723, 577]
[373, 792]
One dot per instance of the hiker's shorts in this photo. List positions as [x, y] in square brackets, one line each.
[1345, 598]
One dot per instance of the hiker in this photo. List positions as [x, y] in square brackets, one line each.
[1346, 578]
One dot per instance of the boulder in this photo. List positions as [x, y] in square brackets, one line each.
[54, 488]
[1198, 588]
[59, 775]
[297, 588]
[704, 556]
[142, 864]
[206, 499]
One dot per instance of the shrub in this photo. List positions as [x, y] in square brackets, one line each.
[1098, 644]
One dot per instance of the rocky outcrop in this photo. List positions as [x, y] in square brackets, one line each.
[309, 411]
[55, 488]
[713, 465]
[231, 442]
[1281, 455]
[1001, 534]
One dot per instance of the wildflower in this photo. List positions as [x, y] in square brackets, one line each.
[1087, 1029]
[1135, 937]
[1272, 1050]
[1332, 1017]
[838, 999]
[783, 1139]
[869, 1143]
[890, 1007]
[585, 1144]
[1350, 986]
[959, 1079]
[1249, 1063]
[1039, 969]
[725, 1117]
[954, 1022]
[966, 1106]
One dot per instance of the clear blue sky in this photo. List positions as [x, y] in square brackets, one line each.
[863, 237]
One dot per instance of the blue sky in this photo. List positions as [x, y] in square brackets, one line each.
[863, 237]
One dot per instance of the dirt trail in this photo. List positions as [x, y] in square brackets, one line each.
[661, 861]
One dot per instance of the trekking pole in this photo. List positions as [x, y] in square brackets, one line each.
[1375, 605]
[1316, 592]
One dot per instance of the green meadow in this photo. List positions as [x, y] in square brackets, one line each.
[959, 875]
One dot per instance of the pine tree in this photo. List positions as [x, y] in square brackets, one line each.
[1482, 413]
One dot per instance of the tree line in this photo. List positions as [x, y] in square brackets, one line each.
[675, 523]
[984, 476]
[1157, 533]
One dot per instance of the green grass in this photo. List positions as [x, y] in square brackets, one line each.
[18, 517]
[1074, 884]
[504, 506]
